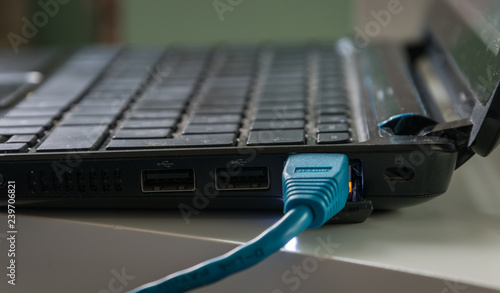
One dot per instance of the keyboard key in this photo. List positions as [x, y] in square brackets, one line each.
[280, 98]
[296, 75]
[225, 93]
[223, 139]
[20, 122]
[149, 123]
[13, 147]
[173, 80]
[40, 102]
[263, 105]
[159, 104]
[155, 114]
[164, 106]
[214, 119]
[224, 102]
[73, 138]
[142, 133]
[166, 96]
[9, 131]
[105, 110]
[33, 112]
[330, 138]
[109, 96]
[184, 141]
[332, 119]
[171, 90]
[116, 85]
[207, 109]
[177, 98]
[210, 128]
[336, 103]
[29, 139]
[333, 127]
[65, 85]
[87, 120]
[333, 110]
[278, 115]
[278, 137]
[282, 107]
[286, 80]
[116, 102]
[231, 81]
[284, 89]
[277, 124]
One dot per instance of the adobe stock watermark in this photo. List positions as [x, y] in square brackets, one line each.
[118, 282]
[233, 168]
[223, 6]
[30, 27]
[379, 20]
[203, 197]
[298, 273]
[74, 159]
[406, 165]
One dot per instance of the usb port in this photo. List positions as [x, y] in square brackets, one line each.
[241, 179]
[167, 180]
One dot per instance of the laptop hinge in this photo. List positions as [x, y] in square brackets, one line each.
[446, 96]
[458, 131]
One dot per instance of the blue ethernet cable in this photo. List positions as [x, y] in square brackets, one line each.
[315, 188]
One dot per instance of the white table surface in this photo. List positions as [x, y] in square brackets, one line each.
[450, 244]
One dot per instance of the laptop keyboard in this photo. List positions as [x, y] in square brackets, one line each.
[105, 99]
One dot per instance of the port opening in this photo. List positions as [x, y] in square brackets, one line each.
[355, 180]
[357, 208]
[399, 173]
[242, 178]
[167, 180]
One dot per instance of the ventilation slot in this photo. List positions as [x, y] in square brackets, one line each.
[80, 177]
[93, 180]
[81, 182]
[106, 185]
[32, 182]
[117, 176]
[68, 181]
[44, 182]
[56, 182]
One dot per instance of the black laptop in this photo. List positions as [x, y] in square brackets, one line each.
[194, 129]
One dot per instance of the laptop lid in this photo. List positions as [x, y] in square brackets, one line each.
[468, 32]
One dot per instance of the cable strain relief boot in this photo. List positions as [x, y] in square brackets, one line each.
[319, 181]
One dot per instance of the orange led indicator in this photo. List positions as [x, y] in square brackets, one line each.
[350, 187]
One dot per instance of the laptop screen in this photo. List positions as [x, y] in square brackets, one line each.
[470, 32]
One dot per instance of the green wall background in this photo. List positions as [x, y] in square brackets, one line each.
[72, 25]
[196, 22]
[190, 22]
